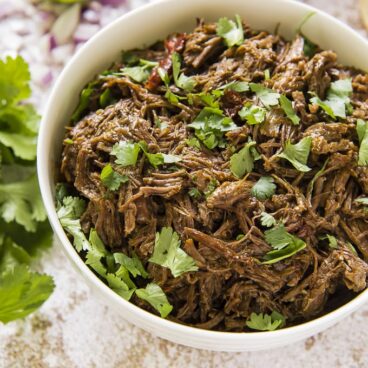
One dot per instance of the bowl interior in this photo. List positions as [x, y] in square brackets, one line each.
[143, 27]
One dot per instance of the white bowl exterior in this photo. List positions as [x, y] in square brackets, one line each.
[142, 27]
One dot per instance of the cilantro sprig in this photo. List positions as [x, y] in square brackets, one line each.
[242, 162]
[232, 32]
[265, 322]
[297, 154]
[362, 131]
[264, 188]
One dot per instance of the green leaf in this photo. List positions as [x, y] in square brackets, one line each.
[133, 265]
[285, 244]
[267, 96]
[119, 286]
[362, 131]
[106, 98]
[287, 106]
[267, 220]
[22, 292]
[351, 248]
[95, 252]
[194, 193]
[297, 154]
[21, 202]
[14, 80]
[69, 214]
[337, 98]
[232, 32]
[237, 86]
[264, 188]
[332, 241]
[167, 253]
[193, 142]
[141, 72]
[253, 114]
[210, 125]
[265, 322]
[126, 153]
[278, 237]
[363, 200]
[154, 295]
[111, 179]
[212, 185]
[181, 80]
[83, 102]
[243, 161]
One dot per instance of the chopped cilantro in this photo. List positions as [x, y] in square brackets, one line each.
[140, 72]
[181, 80]
[193, 142]
[265, 322]
[119, 286]
[154, 295]
[239, 236]
[337, 98]
[111, 179]
[253, 114]
[237, 86]
[133, 265]
[211, 187]
[243, 161]
[287, 106]
[126, 153]
[297, 154]
[267, 220]
[362, 131]
[210, 125]
[264, 188]
[167, 253]
[194, 193]
[232, 32]
[267, 96]
[285, 244]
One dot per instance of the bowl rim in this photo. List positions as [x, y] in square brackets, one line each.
[44, 176]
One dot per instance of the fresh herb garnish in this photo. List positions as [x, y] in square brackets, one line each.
[337, 99]
[126, 153]
[243, 161]
[232, 32]
[267, 96]
[264, 188]
[265, 322]
[140, 72]
[285, 244]
[362, 131]
[193, 142]
[154, 295]
[111, 179]
[287, 106]
[253, 114]
[181, 80]
[237, 86]
[194, 193]
[167, 253]
[210, 125]
[297, 154]
[267, 220]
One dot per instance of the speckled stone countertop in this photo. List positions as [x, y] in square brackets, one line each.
[74, 329]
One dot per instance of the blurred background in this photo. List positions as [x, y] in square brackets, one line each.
[73, 329]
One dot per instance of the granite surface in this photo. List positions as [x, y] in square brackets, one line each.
[74, 330]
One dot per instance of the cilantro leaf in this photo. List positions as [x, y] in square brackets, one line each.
[157, 159]
[181, 80]
[210, 125]
[264, 188]
[22, 292]
[332, 241]
[237, 86]
[140, 72]
[363, 200]
[267, 96]
[133, 265]
[21, 202]
[362, 131]
[285, 244]
[337, 98]
[232, 32]
[253, 114]
[287, 106]
[84, 99]
[154, 295]
[267, 219]
[194, 193]
[193, 142]
[111, 179]
[167, 253]
[119, 286]
[14, 80]
[297, 154]
[265, 322]
[243, 161]
[126, 153]
[69, 213]
[212, 185]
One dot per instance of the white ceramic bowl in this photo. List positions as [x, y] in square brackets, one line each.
[142, 27]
